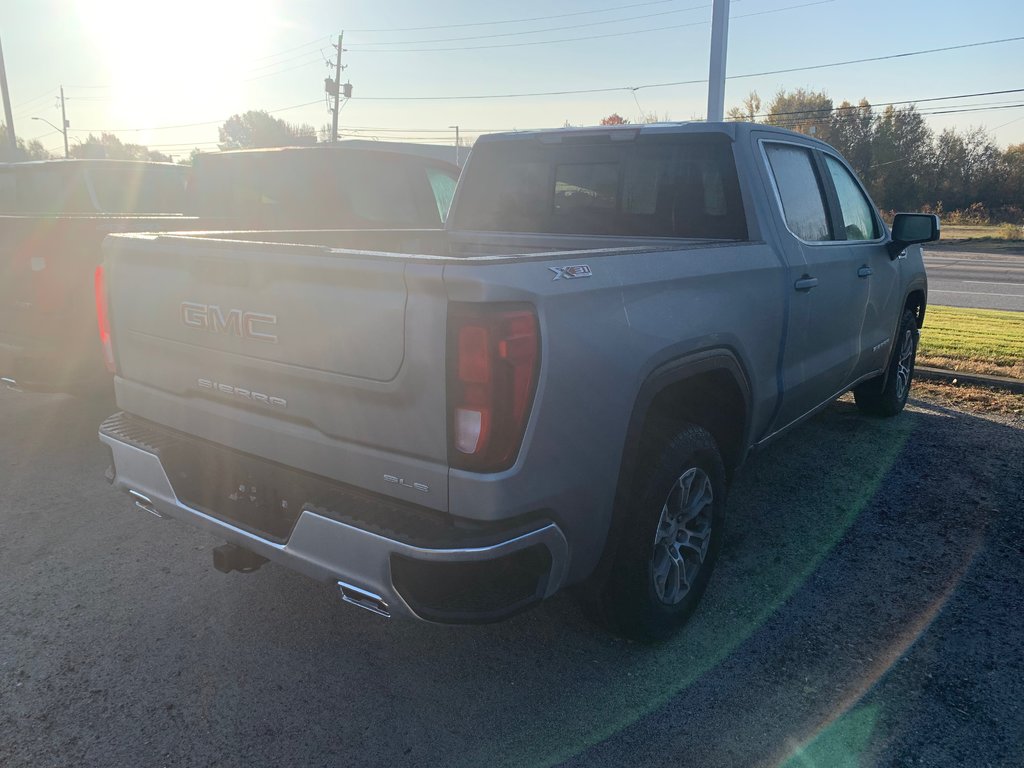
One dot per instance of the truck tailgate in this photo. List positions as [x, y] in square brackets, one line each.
[344, 352]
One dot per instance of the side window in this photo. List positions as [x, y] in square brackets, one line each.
[443, 186]
[803, 203]
[858, 217]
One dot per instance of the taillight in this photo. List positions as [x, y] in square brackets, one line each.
[103, 318]
[493, 357]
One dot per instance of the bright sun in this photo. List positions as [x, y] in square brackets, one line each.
[177, 61]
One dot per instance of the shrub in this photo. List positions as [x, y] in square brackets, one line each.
[1011, 232]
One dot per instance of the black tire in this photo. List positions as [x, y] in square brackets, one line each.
[645, 597]
[876, 399]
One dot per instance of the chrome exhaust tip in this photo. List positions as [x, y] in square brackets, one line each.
[363, 599]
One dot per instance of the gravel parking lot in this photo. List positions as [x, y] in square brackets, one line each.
[867, 610]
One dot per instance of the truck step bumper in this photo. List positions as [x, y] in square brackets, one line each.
[455, 583]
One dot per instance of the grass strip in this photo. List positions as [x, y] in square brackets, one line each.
[975, 340]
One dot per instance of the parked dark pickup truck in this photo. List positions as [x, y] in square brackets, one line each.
[53, 216]
[553, 391]
[58, 212]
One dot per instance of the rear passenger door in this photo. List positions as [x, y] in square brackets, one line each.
[827, 298]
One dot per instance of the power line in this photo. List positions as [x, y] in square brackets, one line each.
[540, 31]
[790, 122]
[186, 125]
[1015, 120]
[319, 41]
[48, 94]
[287, 61]
[282, 71]
[516, 21]
[690, 82]
[588, 37]
[852, 107]
[980, 109]
[880, 58]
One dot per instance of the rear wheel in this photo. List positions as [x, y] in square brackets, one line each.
[877, 400]
[672, 537]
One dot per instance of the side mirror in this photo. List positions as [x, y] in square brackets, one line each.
[912, 229]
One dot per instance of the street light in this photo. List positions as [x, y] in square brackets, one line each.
[65, 132]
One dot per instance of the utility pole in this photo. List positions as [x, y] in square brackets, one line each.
[456, 142]
[716, 73]
[64, 123]
[337, 91]
[7, 106]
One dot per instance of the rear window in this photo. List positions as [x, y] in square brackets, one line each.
[655, 186]
[314, 189]
[53, 189]
[139, 189]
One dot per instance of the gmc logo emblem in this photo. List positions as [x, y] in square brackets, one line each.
[234, 322]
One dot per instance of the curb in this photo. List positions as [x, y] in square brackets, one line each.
[984, 380]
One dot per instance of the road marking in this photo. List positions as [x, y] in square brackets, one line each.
[982, 293]
[948, 262]
[985, 282]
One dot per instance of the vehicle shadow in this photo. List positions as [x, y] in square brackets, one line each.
[845, 615]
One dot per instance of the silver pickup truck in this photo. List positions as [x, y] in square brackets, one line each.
[553, 390]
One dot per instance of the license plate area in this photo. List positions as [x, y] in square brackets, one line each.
[253, 494]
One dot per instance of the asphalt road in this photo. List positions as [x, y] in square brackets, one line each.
[974, 278]
[867, 610]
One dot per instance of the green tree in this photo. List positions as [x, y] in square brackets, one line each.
[851, 131]
[966, 167]
[749, 111]
[800, 110]
[33, 150]
[258, 128]
[1011, 172]
[108, 146]
[903, 159]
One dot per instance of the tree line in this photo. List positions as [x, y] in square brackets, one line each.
[252, 129]
[904, 163]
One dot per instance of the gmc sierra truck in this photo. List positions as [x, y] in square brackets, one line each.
[554, 390]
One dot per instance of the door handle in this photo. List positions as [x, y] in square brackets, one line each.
[864, 271]
[805, 283]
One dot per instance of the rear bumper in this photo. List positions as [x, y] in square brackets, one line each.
[442, 575]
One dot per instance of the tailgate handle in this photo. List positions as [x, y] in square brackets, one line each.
[864, 271]
[805, 283]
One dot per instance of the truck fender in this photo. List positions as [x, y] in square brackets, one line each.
[668, 374]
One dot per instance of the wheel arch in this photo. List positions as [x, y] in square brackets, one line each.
[710, 389]
[916, 301]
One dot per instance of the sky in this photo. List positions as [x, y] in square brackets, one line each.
[168, 74]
